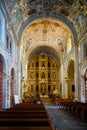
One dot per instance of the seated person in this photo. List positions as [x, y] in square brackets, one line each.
[37, 101]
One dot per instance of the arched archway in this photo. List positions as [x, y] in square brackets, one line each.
[2, 74]
[71, 84]
[1, 80]
[12, 87]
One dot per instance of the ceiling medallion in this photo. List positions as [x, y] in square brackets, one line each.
[44, 31]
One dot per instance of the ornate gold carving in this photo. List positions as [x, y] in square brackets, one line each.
[54, 75]
[47, 75]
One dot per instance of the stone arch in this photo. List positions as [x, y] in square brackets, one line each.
[12, 79]
[53, 16]
[2, 81]
[45, 49]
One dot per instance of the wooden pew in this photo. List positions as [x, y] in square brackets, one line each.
[32, 106]
[26, 128]
[24, 112]
[79, 109]
[19, 115]
[27, 115]
[83, 113]
[21, 122]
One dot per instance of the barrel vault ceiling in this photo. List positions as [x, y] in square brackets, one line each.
[46, 22]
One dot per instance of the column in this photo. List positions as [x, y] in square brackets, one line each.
[66, 88]
[4, 91]
[7, 104]
[18, 70]
[76, 72]
[62, 81]
[82, 52]
[22, 88]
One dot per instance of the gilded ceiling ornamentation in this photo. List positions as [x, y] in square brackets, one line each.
[74, 11]
[47, 30]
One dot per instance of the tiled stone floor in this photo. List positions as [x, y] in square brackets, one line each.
[65, 121]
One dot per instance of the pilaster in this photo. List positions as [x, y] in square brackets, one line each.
[18, 70]
[76, 72]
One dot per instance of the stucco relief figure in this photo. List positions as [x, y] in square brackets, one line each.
[81, 20]
[61, 46]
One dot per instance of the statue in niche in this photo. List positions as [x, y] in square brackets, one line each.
[43, 64]
[43, 89]
[31, 88]
[43, 75]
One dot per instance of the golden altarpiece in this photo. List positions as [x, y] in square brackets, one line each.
[42, 76]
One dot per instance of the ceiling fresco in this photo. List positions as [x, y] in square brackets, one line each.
[74, 10]
[47, 22]
[46, 31]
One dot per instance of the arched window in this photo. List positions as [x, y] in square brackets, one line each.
[10, 47]
[2, 26]
[7, 41]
